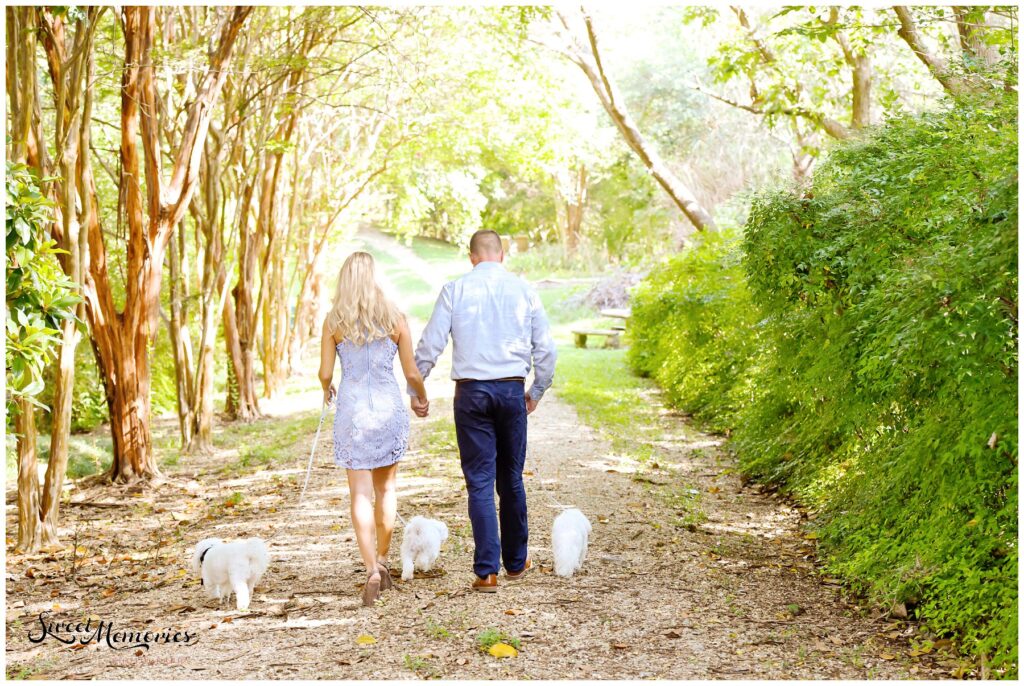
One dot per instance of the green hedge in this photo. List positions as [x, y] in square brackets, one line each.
[694, 330]
[864, 355]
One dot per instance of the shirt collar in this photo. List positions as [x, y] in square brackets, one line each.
[489, 265]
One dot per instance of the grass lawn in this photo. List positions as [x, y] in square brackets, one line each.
[609, 397]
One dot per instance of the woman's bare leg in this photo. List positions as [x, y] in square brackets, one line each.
[384, 507]
[360, 488]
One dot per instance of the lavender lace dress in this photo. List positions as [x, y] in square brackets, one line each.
[371, 424]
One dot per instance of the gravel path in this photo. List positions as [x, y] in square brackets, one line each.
[716, 584]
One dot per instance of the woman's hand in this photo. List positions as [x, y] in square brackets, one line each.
[420, 405]
[328, 394]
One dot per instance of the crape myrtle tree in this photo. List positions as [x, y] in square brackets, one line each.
[153, 202]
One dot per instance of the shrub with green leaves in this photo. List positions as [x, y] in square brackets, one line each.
[39, 295]
[876, 334]
[694, 330]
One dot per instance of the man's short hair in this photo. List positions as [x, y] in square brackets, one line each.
[485, 242]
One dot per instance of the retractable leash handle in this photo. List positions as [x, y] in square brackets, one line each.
[309, 467]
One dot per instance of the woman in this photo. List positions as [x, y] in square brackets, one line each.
[371, 424]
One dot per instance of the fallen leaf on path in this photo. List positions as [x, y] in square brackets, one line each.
[620, 646]
[673, 634]
[461, 661]
[503, 650]
[365, 640]
[513, 612]
[887, 656]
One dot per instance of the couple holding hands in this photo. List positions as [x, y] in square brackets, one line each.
[498, 330]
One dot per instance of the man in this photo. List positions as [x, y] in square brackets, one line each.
[497, 325]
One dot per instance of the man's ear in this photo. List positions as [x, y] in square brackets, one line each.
[474, 259]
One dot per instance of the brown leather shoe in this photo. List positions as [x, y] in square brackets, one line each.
[521, 573]
[486, 585]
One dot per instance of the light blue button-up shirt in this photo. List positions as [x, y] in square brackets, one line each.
[497, 325]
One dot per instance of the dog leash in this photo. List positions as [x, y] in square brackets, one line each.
[547, 493]
[309, 467]
[312, 454]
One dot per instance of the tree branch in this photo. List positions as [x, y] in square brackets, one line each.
[936, 65]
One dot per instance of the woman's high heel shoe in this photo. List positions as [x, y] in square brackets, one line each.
[371, 591]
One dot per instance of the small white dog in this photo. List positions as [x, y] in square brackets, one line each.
[421, 545]
[226, 568]
[569, 536]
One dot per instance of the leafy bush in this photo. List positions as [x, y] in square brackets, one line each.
[694, 330]
[40, 297]
[871, 361]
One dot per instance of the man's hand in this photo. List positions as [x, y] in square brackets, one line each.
[421, 406]
[531, 404]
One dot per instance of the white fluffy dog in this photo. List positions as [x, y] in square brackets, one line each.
[421, 545]
[227, 568]
[569, 536]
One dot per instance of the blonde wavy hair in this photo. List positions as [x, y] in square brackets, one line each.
[361, 312]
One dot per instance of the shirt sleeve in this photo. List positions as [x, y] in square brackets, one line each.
[435, 335]
[543, 346]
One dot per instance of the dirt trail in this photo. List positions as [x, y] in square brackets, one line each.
[734, 596]
[689, 575]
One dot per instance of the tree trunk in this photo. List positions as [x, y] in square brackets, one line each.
[74, 129]
[612, 102]
[122, 338]
[861, 66]
[130, 417]
[242, 403]
[574, 206]
[181, 342]
[28, 478]
[239, 321]
[953, 84]
[971, 26]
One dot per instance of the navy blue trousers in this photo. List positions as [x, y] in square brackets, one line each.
[490, 424]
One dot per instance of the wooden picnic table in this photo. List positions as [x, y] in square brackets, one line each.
[617, 313]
